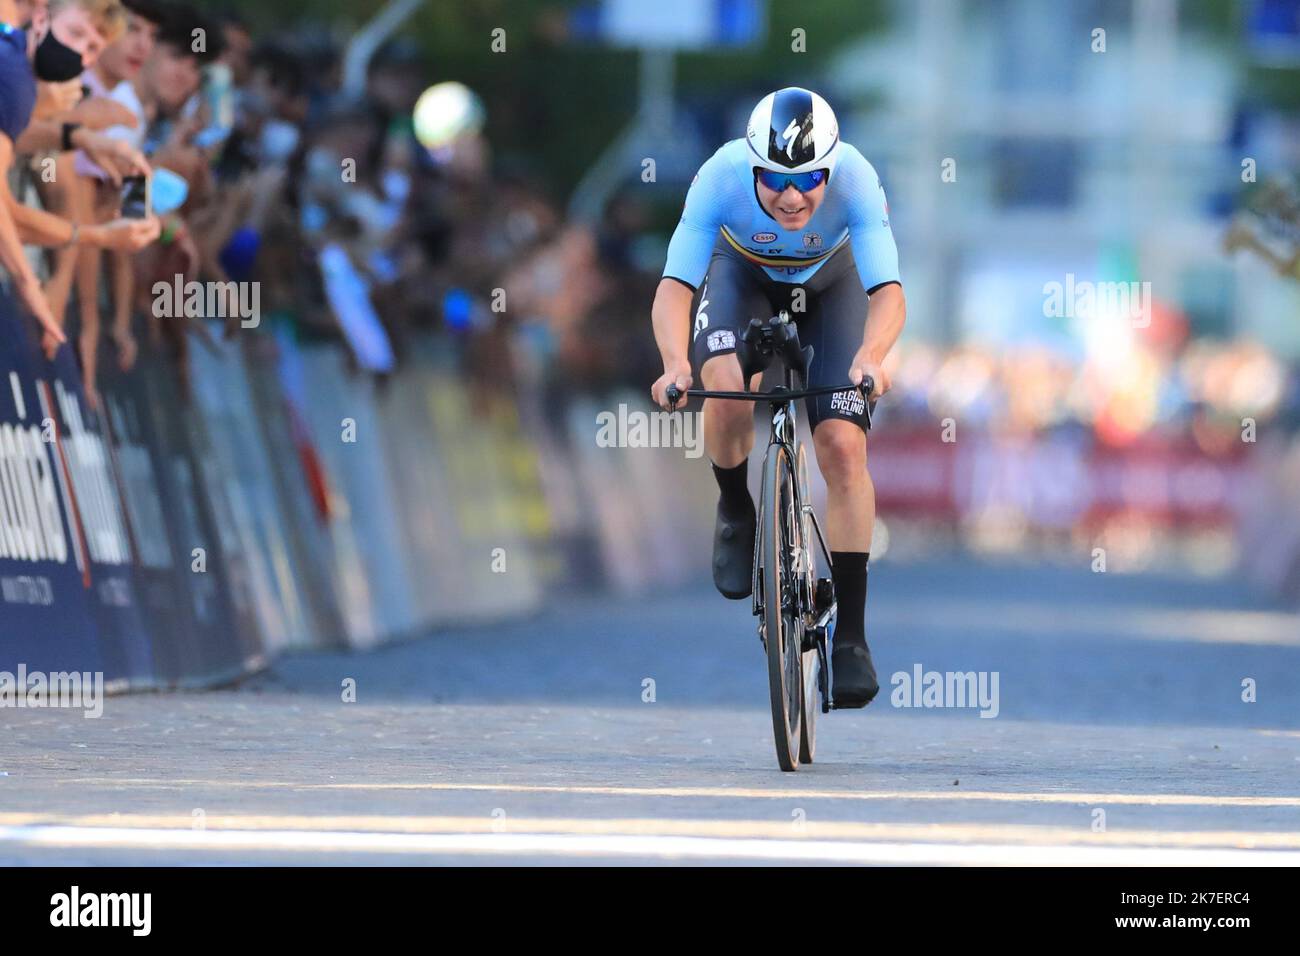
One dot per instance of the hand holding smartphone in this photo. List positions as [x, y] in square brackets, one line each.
[137, 197]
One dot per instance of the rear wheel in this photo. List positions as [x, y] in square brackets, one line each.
[782, 620]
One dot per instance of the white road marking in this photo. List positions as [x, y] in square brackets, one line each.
[995, 796]
[670, 847]
[969, 833]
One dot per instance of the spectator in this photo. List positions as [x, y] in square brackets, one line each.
[98, 199]
[17, 100]
[81, 23]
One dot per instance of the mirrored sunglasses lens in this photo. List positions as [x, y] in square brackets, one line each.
[777, 182]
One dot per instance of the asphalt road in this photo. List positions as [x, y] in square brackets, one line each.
[1120, 736]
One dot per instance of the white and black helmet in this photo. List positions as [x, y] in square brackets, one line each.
[793, 130]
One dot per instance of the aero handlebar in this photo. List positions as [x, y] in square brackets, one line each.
[675, 394]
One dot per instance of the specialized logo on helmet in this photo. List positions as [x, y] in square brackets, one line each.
[793, 129]
[790, 132]
[791, 140]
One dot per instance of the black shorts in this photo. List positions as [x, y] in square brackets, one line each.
[832, 321]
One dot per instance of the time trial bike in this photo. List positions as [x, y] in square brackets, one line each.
[795, 606]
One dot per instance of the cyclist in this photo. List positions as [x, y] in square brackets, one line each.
[789, 217]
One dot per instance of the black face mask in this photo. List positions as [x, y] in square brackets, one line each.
[56, 62]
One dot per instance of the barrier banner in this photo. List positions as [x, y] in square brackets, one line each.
[1055, 480]
[563, 537]
[47, 597]
[1270, 523]
[241, 465]
[99, 515]
[101, 511]
[301, 490]
[340, 413]
[652, 505]
[483, 497]
[194, 583]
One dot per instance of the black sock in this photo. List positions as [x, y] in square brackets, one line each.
[734, 485]
[849, 570]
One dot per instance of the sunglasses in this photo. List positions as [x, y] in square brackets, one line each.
[778, 181]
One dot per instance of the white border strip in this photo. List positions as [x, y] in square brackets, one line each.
[678, 847]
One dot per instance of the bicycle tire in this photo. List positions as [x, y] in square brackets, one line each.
[782, 622]
[811, 660]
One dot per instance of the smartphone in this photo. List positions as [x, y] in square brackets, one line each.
[137, 197]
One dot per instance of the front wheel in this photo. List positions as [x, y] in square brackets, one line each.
[779, 540]
[811, 659]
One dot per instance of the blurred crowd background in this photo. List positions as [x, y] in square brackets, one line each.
[512, 170]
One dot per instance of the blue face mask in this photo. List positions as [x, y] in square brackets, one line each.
[279, 140]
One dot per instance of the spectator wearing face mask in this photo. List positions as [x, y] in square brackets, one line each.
[24, 60]
[112, 79]
[17, 100]
[70, 31]
[79, 31]
[72, 34]
[169, 81]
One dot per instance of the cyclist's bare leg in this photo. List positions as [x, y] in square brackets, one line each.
[850, 496]
[728, 425]
[850, 513]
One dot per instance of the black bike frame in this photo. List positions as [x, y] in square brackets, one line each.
[783, 434]
[782, 399]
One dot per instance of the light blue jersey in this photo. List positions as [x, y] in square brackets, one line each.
[722, 201]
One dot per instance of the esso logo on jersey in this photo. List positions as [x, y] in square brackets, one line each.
[764, 237]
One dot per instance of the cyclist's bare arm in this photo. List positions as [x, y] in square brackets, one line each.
[883, 327]
[671, 315]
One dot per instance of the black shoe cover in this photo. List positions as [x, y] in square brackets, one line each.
[733, 555]
[853, 676]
